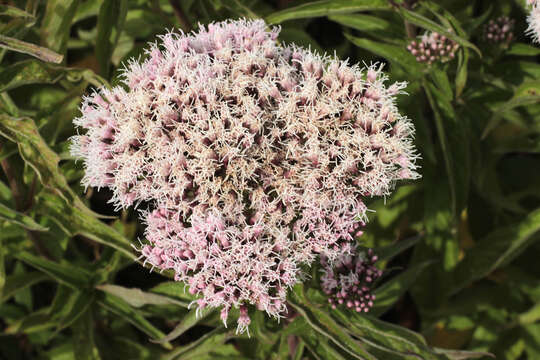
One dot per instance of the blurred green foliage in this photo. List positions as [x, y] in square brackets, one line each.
[459, 247]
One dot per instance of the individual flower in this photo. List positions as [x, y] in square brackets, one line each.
[433, 47]
[533, 20]
[499, 31]
[249, 159]
[348, 280]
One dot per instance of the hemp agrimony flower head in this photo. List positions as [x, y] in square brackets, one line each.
[432, 47]
[533, 19]
[499, 31]
[347, 280]
[253, 158]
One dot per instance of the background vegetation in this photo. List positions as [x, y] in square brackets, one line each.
[459, 247]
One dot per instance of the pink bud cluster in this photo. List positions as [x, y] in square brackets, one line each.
[348, 280]
[253, 158]
[533, 20]
[499, 31]
[433, 47]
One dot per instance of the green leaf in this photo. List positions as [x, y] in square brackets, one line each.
[372, 25]
[36, 154]
[111, 18]
[20, 219]
[28, 72]
[326, 326]
[463, 354]
[206, 344]
[59, 201]
[35, 322]
[124, 310]
[388, 252]
[2, 271]
[37, 72]
[15, 283]
[390, 292]
[239, 8]
[395, 54]
[6, 10]
[527, 93]
[445, 17]
[318, 345]
[299, 353]
[326, 8]
[191, 319]
[521, 49]
[66, 274]
[440, 78]
[138, 298]
[84, 347]
[174, 289]
[56, 23]
[387, 338]
[428, 24]
[462, 71]
[299, 37]
[445, 147]
[530, 316]
[39, 52]
[496, 249]
[77, 303]
[77, 221]
[87, 9]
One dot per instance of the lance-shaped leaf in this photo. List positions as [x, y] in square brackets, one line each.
[66, 274]
[390, 292]
[56, 23]
[6, 10]
[29, 72]
[201, 347]
[326, 8]
[75, 221]
[15, 217]
[395, 54]
[520, 49]
[429, 24]
[496, 249]
[133, 316]
[32, 323]
[388, 252]
[463, 354]
[84, 347]
[388, 339]
[68, 305]
[111, 18]
[24, 47]
[322, 323]
[527, 93]
[37, 154]
[382, 28]
[59, 201]
[191, 319]
[138, 298]
[17, 282]
[2, 271]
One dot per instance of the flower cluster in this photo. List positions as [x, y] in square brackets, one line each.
[533, 20]
[347, 281]
[433, 47]
[499, 31]
[251, 158]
